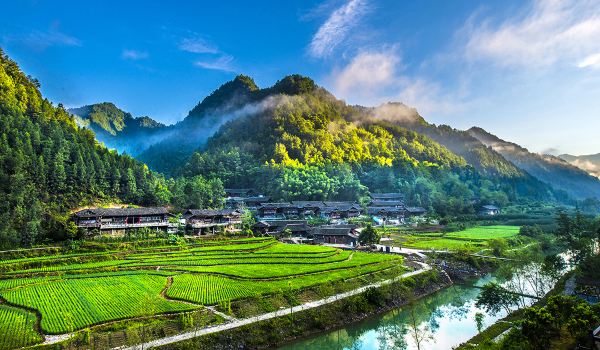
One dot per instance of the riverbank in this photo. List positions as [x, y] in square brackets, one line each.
[492, 334]
[277, 331]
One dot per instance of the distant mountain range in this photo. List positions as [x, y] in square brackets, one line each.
[553, 170]
[589, 163]
[118, 129]
[290, 116]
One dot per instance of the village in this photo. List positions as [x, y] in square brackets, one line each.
[315, 222]
[336, 223]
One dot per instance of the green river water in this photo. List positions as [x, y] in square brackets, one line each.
[449, 316]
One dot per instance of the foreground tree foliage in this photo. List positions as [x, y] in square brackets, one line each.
[561, 316]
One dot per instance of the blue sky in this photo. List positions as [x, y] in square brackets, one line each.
[528, 71]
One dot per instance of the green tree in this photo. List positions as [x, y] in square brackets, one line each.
[495, 298]
[479, 318]
[368, 236]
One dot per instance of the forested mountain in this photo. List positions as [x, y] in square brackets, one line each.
[48, 165]
[484, 159]
[550, 169]
[300, 142]
[589, 163]
[118, 129]
[228, 102]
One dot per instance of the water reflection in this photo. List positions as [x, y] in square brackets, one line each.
[440, 321]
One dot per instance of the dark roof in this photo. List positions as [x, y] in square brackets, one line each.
[329, 206]
[387, 196]
[274, 205]
[280, 223]
[259, 199]
[308, 204]
[490, 207]
[386, 203]
[238, 191]
[296, 227]
[210, 212]
[92, 212]
[384, 209]
[416, 210]
[334, 230]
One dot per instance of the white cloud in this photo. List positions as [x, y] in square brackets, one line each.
[197, 45]
[375, 77]
[336, 28]
[41, 40]
[550, 32]
[134, 55]
[222, 63]
[368, 71]
[592, 61]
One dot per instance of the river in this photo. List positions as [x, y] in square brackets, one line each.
[446, 319]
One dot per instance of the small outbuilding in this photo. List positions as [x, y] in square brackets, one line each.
[489, 210]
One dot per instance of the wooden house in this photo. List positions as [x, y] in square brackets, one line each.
[208, 222]
[278, 228]
[117, 220]
[336, 234]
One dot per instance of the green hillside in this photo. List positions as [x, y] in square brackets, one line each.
[305, 144]
[48, 165]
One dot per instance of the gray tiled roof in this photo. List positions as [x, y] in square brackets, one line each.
[387, 195]
[386, 203]
[93, 212]
[334, 230]
[210, 212]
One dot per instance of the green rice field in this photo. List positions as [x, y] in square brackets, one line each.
[68, 292]
[471, 239]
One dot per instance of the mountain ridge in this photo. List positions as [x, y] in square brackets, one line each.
[589, 163]
[118, 129]
[550, 169]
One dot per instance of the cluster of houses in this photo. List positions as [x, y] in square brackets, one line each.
[196, 221]
[285, 220]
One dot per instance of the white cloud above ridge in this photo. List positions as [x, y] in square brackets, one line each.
[377, 76]
[551, 32]
[335, 29]
[197, 45]
[222, 63]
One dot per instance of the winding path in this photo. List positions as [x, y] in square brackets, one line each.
[270, 315]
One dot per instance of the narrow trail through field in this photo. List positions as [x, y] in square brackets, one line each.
[270, 315]
[225, 316]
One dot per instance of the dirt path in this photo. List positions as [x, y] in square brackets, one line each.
[270, 315]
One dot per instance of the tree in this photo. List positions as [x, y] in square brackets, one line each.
[419, 332]
[368, 236]
[498, 246]
[495, 298]
[479, 317]
[248, 221]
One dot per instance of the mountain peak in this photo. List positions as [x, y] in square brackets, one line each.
[235, 92]
[294, 84]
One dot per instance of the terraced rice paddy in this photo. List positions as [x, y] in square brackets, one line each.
[17, 328]
[75, 291]
[472, 239]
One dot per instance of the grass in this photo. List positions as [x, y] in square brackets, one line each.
[17, 328]
[485, 232]
[71, 304]
[73, 292]
[472, 239]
